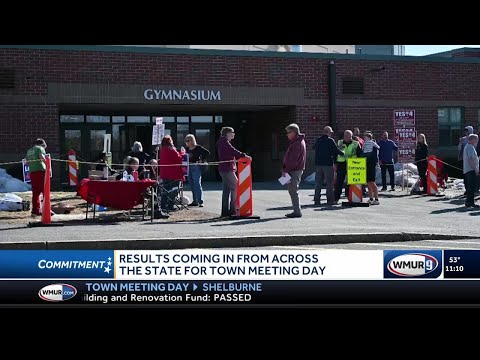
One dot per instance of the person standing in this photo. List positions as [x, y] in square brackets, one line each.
[470, 169]
[421, 155]
[370, 151]
[197, 155]
[294, 164]
[351, 149]
[387, 147]
[227, 154]
[326, 151]
[37, 168]
[356, 136]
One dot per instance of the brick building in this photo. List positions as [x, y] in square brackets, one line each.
[73, 95]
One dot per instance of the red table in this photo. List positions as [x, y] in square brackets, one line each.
[121, 195]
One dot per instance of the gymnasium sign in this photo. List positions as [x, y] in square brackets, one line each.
[188, 95]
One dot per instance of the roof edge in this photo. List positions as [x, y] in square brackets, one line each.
[243, 53]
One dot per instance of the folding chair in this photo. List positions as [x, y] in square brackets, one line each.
[175, 195]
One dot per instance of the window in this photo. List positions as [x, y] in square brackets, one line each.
[202, 119]
[450, 125]
[118, 119]
[138, 119]
[72, 118]
[98, 119]
[182, 119]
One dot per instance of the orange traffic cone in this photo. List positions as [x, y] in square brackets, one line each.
[47, 209]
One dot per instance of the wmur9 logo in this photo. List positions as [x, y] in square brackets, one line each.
[57, 292]
[412, 264]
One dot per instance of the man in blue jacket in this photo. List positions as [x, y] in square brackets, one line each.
[385, 155]
[326, 151]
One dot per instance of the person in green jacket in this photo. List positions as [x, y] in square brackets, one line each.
[37, 168]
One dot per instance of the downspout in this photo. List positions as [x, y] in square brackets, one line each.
[332, 96]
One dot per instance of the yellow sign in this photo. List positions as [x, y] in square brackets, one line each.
[356, 171]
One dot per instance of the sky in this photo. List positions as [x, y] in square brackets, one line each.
[419, 50]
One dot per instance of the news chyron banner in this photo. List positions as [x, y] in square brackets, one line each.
[232, 277]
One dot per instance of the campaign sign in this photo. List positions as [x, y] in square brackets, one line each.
[403, 118]
[26, 173]
[185, 163]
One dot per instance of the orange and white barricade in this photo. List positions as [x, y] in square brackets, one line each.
[355, 193]
[72, 168]
[432, 181]
[244, 203]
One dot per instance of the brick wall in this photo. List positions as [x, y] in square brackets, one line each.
[20, 125]
[399, 81]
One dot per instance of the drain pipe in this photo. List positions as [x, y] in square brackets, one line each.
[332, 96]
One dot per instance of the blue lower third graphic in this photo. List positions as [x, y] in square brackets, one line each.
[57, 264]
[412, 264]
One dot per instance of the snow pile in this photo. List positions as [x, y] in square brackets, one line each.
[10, 184]
[458, 184]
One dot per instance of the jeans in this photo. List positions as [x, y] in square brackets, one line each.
[293, 190]
[391, 175]
[168, 197]
[229, 194]
[341, 175]
[195, 181]
[470, 187]
[324, 173]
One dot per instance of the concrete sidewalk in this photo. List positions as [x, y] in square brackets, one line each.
[398, 214]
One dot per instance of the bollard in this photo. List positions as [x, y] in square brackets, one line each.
[244, 202]
[432, 181]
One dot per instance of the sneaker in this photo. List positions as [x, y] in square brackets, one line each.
[384, 189]
[193, 204]
[293, 215]
[392, 189]
[200, 205]
[370, 201]
[160, 215]
[375, 202]
[472, 205]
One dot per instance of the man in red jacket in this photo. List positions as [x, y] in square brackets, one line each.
[294, 164]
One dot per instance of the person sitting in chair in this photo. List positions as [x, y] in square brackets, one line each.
[171, 172]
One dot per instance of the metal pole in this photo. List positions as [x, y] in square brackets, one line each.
[403, 172]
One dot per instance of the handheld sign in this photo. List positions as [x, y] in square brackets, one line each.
[356, 171]
[26, 173]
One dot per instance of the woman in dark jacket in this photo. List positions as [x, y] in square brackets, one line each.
[198, 154]
[421, 154]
